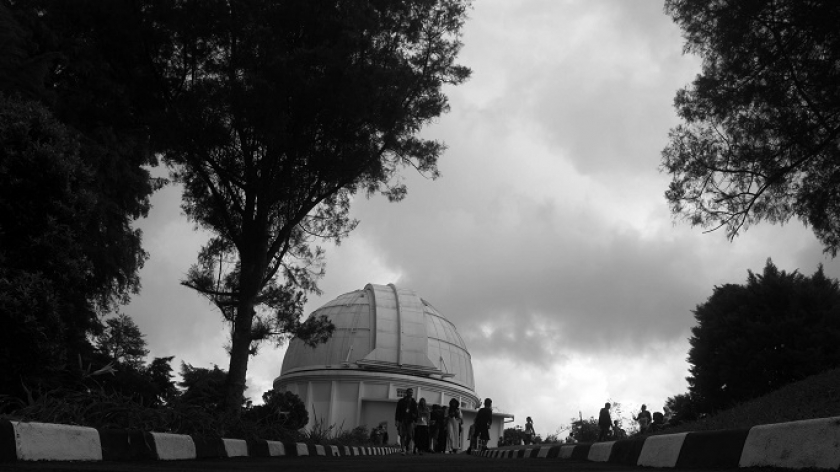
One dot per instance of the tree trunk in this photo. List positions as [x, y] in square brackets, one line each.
[239, 353]
[253, 266]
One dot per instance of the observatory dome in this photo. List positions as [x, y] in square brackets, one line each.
[386, 329]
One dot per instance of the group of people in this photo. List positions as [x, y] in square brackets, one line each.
[610, 429]
[379, 435]
[423, 428]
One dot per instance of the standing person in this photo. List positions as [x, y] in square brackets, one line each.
[644, 419]
[453, 429]
[483, 420]
[604, 422]
[435, 422]
[530, 434]
[405, 417]
[421, 429]
[471, 437]
[617, 431]
[443, 434]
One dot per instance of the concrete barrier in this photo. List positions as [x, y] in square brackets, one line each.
[600, 452]
[566, 451]
[276, 448]
[795, 445]
[49, 442]
[170, 447]
[661, 451]
[235, 447]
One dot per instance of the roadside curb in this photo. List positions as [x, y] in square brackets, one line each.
[807, 444]
[23, 441]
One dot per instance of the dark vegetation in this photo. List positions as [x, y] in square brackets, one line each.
[755, 338]
[817, 396]
[123, 392]
[761, 122]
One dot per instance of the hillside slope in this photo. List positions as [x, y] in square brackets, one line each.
[817, 396]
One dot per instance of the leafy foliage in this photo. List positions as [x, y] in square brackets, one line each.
[683, 408]
[585, 430]
[284, 408]
[513, 435]
[761, 138]
[78, 61]
[122, 341]
[150, 385]
[45, 288]
[204, 387]
[755, 338]
[72, 147]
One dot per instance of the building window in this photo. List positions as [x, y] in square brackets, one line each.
[401, 392]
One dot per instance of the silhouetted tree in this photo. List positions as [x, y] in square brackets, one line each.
[122, 341]
[282, 408]
[72, 181]
[513, 435]
[585, 430]
[761, 138]
[751, 339]
[682, 408]
[45, 297]
[204, 387]
[159, 373]
[151, 385]
[280, 113]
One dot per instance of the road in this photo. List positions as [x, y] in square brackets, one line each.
[426, 463]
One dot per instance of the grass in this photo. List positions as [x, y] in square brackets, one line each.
[817, 396]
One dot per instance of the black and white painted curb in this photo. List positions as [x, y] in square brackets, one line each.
[21, 441]
[795, 445]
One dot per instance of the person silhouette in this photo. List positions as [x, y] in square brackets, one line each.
[604, 422]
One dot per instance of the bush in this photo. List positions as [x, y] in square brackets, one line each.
[283, 408]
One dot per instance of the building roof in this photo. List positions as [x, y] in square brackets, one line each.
[389, 329]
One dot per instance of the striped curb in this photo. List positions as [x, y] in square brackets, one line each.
[22, 441]
[807, 444]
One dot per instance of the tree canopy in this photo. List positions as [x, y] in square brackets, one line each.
[205, 387]
[45, 309]
[278, 114]
[282, 408]
[122, 341]
[751, 339]
[761, 132]
[71, 182]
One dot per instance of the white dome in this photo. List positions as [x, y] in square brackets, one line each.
[386, 329]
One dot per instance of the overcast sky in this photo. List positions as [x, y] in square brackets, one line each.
[547, 241]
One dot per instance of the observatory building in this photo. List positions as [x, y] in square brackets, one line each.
[386, 340]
